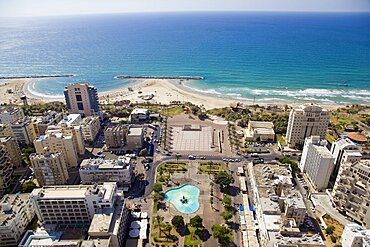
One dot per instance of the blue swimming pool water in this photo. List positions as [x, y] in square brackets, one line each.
[190, 192]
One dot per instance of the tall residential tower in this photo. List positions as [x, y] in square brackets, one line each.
[81, 98]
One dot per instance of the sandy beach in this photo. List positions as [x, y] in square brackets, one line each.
[163, 90]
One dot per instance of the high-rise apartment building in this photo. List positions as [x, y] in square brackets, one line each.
[304, 121]
[115, 136]
[75, 132]
[6, 170]
[12, 148]
[41, 123]
[337, 150]
[57, 142]
[16, 213]
[90, 128]
[49, 168]
[351, 192]
[24, 131]
[81, 98]
[317, 162]
[135, 138]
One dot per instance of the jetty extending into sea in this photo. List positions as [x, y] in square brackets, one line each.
[160, 77]
[34, 76]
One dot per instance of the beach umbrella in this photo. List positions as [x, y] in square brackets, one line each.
[134, 233]
[135, 224]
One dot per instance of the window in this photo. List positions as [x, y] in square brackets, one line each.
[80, 106]
[78, 97]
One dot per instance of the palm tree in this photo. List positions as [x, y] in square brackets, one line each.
[159, 220]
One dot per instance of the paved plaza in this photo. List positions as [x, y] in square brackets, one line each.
[192, 138]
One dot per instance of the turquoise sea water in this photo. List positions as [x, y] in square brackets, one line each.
[188, 191]
[272, 57]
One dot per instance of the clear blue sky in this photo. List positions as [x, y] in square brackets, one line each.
[70, 7]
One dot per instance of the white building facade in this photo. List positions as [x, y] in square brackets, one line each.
[317, 162]
[100, 170]
[305, 121]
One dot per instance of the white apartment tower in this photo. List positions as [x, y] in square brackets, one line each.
[49, 168]
[16, 213]
[351, 192]
[305, 121]
[317, 162]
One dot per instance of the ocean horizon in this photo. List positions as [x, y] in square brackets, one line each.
[269, 57]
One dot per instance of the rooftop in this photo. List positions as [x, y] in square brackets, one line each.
[357, 137]
[75, 191]
[11, 204]
[70, 119]
[261, 124]
[140, 111]
[122, 162]
[135, 131]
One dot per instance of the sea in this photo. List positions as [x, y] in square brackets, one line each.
[267, 57]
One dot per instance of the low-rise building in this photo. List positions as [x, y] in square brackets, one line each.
[90, 128]
[72, 204]
[58, 143]
[259, 131]
[115, 136]
[295, 209]
[355, 236]
[135, 138]
[6, 170]
[139, 115]
[47, 237]
[12, 148]
[100, 170]
[16, 213]
[351, 192]
[317, 162]
[10, 114]
[49, 168]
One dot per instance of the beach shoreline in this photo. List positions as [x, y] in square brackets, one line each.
[164, 91]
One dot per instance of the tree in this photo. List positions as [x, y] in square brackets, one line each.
[227, 215]
[196, 221]
[330, 230]
[223, 234]
[226, 200]
[157, 187]
[223, 179]
[27, 187]
[178, 221]
[143, 152]
[157, 196]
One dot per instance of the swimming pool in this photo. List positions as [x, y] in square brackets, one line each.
[185, 198]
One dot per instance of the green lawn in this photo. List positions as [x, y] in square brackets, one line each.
[192, 238]
[173, 166]
[330, 137]
[173, 111]
[281, 139]
[211, 167]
